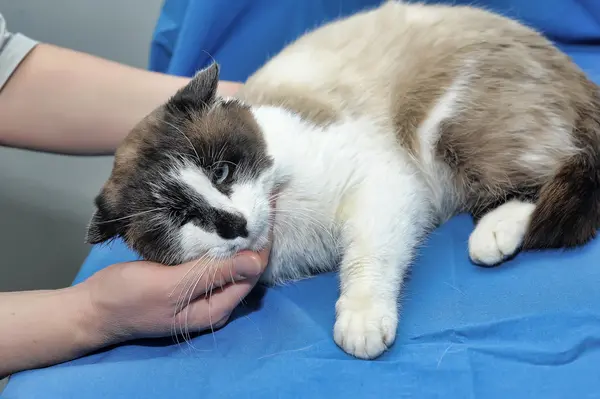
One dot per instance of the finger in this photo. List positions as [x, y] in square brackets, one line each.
[205, 274]
[247, 264]
[214, 275]
[210, 311]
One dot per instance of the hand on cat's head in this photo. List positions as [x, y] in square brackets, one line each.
[144, 299]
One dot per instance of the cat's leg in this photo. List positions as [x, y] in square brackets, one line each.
[499, 233]
[383, 225]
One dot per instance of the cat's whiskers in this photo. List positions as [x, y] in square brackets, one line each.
[219, 156]
[225, 162]
[174, 331]
[242, 301]
[208, 301]
[286, 227]
[187, 274]
[131, 216]
[192, 288]
[179, 305]
[186, 137]
[305, 212]
[197, 268]
[283, 225]
[200, 268]
[211, 265]
[276, 196]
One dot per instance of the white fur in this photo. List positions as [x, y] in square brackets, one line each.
[364, 209]
[366, 206]
[195, 241]
[435, 172]
[350, 196]
[499, 233]
[248, 198]
[197, 180]
[244, 200]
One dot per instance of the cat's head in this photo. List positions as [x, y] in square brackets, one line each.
[193, 178]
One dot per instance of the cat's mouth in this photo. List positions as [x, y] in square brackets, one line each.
[255, 243]
[259, 241]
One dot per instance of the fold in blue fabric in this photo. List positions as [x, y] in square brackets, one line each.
[241, 35]
[528, 329]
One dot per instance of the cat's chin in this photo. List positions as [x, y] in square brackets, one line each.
[228, 250]
[231, 250]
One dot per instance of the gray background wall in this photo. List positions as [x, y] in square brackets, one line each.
[46, 200]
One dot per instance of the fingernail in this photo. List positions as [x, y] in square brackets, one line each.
[247, 266]
[222, 322]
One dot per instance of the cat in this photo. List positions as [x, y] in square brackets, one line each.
[369, 132]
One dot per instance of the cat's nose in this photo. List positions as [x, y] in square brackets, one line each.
[230, 226]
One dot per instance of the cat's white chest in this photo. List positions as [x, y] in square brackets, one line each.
[305, 239]
[326, 168]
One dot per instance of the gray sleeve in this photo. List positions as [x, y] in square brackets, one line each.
[13, 49]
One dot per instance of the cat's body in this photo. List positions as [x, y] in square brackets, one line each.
[369, 131]
[412, 67]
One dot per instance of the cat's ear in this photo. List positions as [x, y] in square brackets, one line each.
[102, 227]
[198, 94]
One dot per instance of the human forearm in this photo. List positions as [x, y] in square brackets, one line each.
[121, 302]
[41, 328]
[65, 101]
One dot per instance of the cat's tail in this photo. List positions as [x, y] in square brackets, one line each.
[567, 213]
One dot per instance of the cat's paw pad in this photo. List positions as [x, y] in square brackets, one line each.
[500, 233]
[365, 329]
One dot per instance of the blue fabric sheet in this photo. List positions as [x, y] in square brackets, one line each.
[529, 329]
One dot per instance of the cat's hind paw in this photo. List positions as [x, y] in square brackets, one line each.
[500, 233]
[365, 328]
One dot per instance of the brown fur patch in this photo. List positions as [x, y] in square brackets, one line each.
[518, 119]
[512, 131]
[415, 98]
[568, 211]
[141, 203]
[311, 108]
[524, 124]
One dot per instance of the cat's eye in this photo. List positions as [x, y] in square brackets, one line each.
[220, 173]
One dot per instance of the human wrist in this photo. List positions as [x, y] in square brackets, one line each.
[92, 331]
[47, 327]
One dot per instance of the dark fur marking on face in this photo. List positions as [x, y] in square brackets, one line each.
[230, 226]
[193, 129]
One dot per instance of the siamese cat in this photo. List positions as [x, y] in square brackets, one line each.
[368, 132]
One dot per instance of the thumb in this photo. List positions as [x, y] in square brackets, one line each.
[197, 279]
[247, 264]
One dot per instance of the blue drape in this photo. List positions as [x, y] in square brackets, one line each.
[530, 329]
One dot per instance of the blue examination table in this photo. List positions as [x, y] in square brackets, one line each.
[528, 329]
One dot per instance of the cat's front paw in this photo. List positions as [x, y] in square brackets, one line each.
[365, 328]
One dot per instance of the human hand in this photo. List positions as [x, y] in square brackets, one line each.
[144, 299]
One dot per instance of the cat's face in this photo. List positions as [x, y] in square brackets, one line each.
[192, 178]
